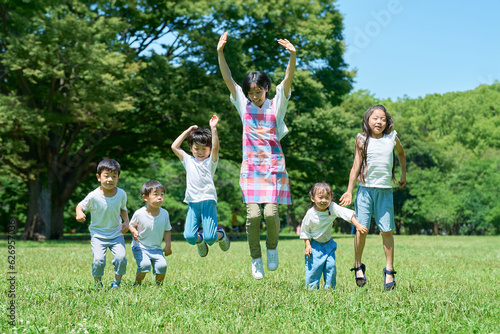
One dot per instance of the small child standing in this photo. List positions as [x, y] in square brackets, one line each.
[149, 225]
[201, 195]
[374, 164]
[108, 207]
[263, 176]
[316, 231]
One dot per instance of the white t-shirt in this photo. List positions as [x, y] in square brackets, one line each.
[106, 221]
[199, 179]
[280, 104]
[317, 225]
[379, 159]
[150, 228]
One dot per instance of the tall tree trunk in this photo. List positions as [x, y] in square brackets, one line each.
[56, 178]
[45, 219]
[436, 228]
[57, 223]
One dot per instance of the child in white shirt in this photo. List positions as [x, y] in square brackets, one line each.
[201, 195]
[149, 225]
[108, 207]
[316, 230]
[374, 167]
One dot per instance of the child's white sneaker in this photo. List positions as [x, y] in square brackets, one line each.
[257, 268]
[202, 246]
[272, 259]
[224, 242]
[115, 284]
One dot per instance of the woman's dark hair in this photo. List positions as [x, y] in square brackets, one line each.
[200, 137]
[320, 187]
[108, 164]
[149, 186]
[367, 133]
[259, 78]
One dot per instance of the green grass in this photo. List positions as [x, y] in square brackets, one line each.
[445, 285]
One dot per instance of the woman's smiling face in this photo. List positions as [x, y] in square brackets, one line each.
[257, 94]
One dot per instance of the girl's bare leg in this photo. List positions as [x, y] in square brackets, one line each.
[359, 246]
[388, 242]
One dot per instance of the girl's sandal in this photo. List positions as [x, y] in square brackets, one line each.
[360, 281]
[392, 285]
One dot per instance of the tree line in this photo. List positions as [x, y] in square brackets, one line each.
[85, 80]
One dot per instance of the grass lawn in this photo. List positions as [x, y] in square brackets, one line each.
[444, 285]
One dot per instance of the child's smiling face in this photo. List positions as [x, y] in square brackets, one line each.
[200, 152]
[257, 94]
[322, 200]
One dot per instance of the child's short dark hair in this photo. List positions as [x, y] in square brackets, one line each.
[259, 78]
[108, 164]
[149, 186]
[200, 137]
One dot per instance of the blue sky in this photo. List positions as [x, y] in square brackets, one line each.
[420, 47]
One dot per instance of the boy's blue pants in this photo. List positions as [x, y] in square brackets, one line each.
[205, 213]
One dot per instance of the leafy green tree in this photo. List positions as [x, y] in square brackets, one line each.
[80, 82]
[452, 147]
[70, 79]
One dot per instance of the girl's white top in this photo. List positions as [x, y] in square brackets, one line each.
[199, 179]
[317, 225]
[379, 160]
[105, 221]
[280, 102]
[150, 228]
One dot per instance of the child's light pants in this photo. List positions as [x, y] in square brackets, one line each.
[116, 246]
[254, 218]
[147, 258]
[321, 262]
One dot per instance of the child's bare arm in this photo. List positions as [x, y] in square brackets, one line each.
[346, 198]
[361, 228]
[80, 215]
[176, 145]
[125, 225]
[224, 69]
[402, 162]
[168, 243]
[215, 138]
[135, 233]
[290, 70]
[308, 247]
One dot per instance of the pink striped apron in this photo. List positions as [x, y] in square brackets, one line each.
[263, 177]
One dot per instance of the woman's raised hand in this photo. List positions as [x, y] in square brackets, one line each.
[286, 44]
[222, 42]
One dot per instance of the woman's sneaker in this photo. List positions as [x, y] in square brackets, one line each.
[202, 246]
[272, 259]
[257, 268]
[224, 242]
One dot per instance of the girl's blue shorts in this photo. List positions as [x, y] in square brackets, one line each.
[376, 202]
